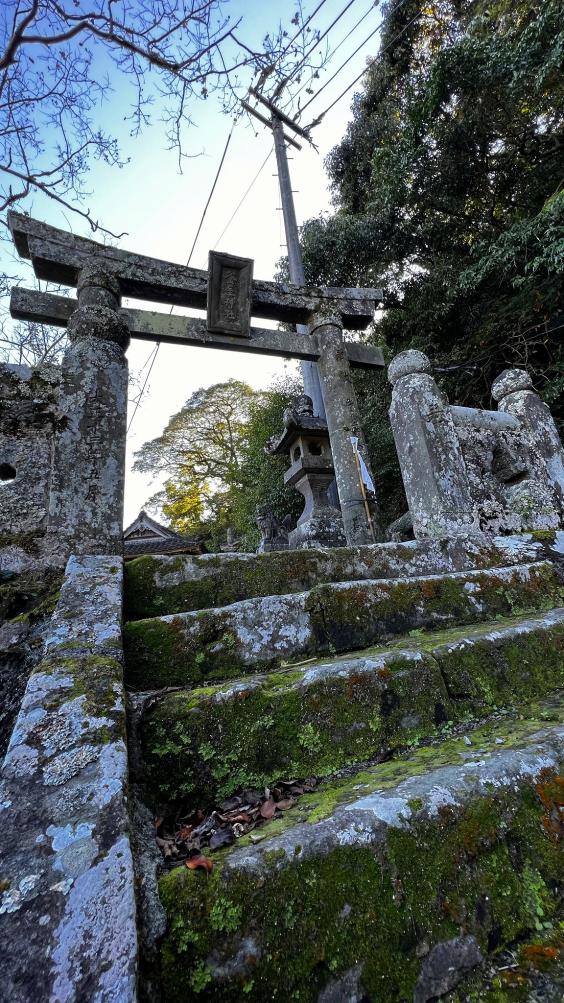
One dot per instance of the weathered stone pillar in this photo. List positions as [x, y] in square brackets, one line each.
[343, 422]
[86, 497]
[514, 392]
[432, 466]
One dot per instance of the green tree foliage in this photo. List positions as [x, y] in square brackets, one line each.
[449, 191]
[212, 454]
[262, 475]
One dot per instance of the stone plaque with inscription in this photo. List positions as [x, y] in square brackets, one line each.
[230, 282]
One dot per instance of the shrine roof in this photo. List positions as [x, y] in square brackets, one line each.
[147, 536]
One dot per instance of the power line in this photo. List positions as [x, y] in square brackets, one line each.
[373, 5]
[155, 352]
[202, 218]
[348, 59]
[232, 217]
[300, 30]
[317, 41]
[210, 196]
[371, 63]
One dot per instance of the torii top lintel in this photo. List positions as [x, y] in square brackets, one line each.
[59, 256]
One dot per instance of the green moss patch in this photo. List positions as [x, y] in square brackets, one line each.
[162, 652]
[30, 595]
[223, 643]
[493, 672]
[153, 588]
[208, 744]
[286, 930]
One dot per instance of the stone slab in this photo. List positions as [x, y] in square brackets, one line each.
[390, 883]
[158, 585]
[316, 719]
[152, 325]
[59, 256]
[230, 282]
[258, 634]
[67, 908]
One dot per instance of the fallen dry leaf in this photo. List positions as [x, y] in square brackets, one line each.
[267, 808]
[221, 837]
[200, 861]
[182, 836]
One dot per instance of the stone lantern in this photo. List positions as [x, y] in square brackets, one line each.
[306, 441]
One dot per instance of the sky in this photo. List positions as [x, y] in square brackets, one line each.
[158, 208]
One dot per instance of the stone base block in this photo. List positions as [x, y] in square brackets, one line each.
[322, 531]
[159, 584]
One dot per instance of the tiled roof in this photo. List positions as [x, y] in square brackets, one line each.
[147, 536]
[177, 545]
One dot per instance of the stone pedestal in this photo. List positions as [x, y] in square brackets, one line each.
[514, 392]
[358, 503]
[87, 487]
[433, 469]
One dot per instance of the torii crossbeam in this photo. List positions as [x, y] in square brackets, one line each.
[99, 331]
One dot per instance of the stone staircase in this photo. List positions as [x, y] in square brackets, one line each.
[419, 684]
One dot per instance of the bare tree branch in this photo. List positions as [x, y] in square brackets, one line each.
[51, 94]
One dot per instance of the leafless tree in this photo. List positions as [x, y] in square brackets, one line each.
[60, 61]
[30, 344]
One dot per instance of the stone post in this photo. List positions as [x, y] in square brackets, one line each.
[514, 392]
[432, 466]
[87, 488]
[343, 422]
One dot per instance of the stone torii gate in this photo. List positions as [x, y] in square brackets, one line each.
[87, 483]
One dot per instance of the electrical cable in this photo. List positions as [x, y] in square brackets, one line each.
[348, 59]
[202, 218]
[371, 63]
[210, 196]
[138, 401]
[316, 43]
[372, 7]
[232, 217]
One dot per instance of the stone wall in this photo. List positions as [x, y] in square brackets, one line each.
[29, 417]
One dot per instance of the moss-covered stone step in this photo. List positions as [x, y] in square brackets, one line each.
[377, 885]
[259, 634]
[161, 585]
[207, 743]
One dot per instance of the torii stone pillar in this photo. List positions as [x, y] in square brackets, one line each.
[343, 423]
[432, 466]
[87, 487]
[513, 390]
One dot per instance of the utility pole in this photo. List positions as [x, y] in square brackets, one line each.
[310, 372]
